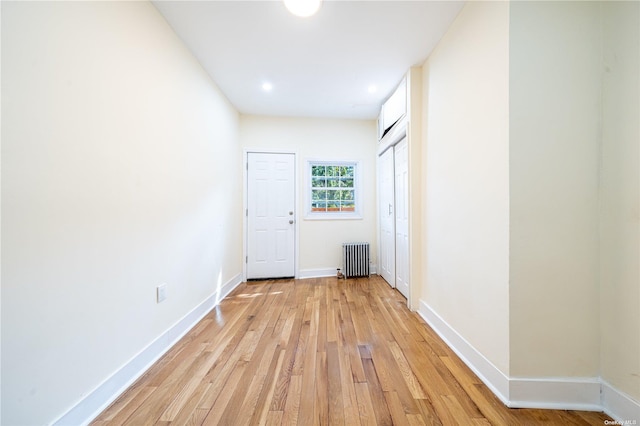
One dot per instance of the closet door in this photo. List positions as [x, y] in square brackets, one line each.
[387, 219]
[402, 216]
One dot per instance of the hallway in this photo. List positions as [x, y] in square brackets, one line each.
[317, 351]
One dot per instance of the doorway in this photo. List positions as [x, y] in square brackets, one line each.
[270, 215]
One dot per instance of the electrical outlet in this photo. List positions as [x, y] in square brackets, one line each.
[161, 292]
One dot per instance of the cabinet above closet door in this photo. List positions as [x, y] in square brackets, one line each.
[395, 107]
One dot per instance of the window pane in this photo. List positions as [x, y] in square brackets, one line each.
[348, 206]
[347, 195]
[318, 182]
[319, 206]
[346, 182]
[318, 195]
[317, 170]
[333, 182]
[346, 171]
[333, 170]
[333, 206]
[333, 194]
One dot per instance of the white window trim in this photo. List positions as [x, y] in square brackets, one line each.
[357, 214]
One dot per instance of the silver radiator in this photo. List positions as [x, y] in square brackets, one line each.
[355, 258]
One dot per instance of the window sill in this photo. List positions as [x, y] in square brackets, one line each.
[332, 216]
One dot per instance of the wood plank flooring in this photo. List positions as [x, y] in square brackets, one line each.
[317, 352]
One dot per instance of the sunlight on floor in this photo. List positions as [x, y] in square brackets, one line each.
[252, 295]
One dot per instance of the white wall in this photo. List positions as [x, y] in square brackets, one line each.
[543, 280]
[620, 199]
[120, 171]
[466, 179]
[554, 130]
[320, 241]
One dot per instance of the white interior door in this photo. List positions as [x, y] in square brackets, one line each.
[270, 215]
[401, 152]
[387, 221]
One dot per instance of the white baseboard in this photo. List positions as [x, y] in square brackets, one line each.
[563, 393]
[226, 288]
[495, 379]
[555, 393]
[317, 273]
[97, 400]
[325, 272]
[619, 406]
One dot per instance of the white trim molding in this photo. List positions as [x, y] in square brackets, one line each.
[328, 272]
[97, 400]
[554, 393]
[317, 273]
[495, 379]
[559, 393]
[618, 405]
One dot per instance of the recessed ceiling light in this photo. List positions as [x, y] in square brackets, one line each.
[373, 88]
[267, 87]
[303, 8]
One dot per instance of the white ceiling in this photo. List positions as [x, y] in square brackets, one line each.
[320, 66]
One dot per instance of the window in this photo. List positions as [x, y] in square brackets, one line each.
[333, 190]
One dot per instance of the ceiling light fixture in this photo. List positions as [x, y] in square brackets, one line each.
[267, 87]
[303, 8]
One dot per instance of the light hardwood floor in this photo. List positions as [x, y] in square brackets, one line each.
[317, 351]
